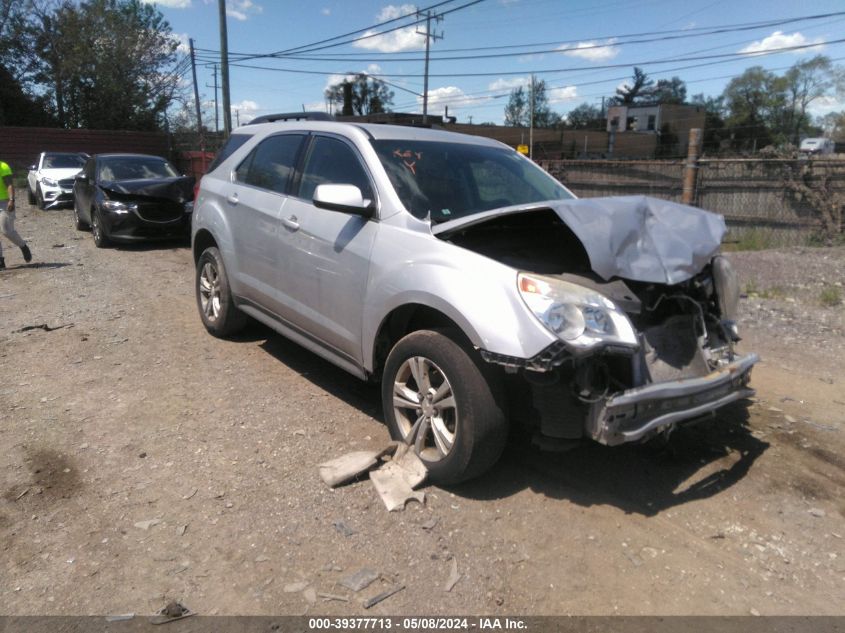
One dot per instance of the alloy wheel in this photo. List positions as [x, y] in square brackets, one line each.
[425, 408]
[210, 291]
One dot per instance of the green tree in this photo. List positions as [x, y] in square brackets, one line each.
[672, 90]
[103, 64]
[519, 106]
[755, 104]
[369, 95]
[640, 87]
[805, 82]
[585, 115]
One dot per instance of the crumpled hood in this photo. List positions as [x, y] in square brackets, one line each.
[632, 237]
[179, 189]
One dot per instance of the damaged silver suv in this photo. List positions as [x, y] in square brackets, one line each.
[472, 284]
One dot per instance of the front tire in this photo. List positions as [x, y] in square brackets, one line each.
[101, 238]
[217, 308]
[30, 195]
[39, 199]
[436, 398]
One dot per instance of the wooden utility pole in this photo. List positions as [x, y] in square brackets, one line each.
[691, 167]
[224, 69]
[429, 36]
[197, 97]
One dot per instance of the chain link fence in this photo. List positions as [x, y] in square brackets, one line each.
[766, 202]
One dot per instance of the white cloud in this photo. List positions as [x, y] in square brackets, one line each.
[170, 4]
[326, 11]
[247, 111]
[242, 9]
[825, 105]
[779, 39]
[562, 95]
[593, 51]
[451, 96]
[182, 40]
[316, 106]
[406, 39]
[508, 83]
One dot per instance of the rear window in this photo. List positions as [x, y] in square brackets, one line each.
[235, 141]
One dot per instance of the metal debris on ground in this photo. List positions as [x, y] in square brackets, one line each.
[361, 579]
[172, 612]
[396, 480]
[454, 576]
[395, 472]
[384, 595]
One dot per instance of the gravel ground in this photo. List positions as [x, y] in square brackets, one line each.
[142, 460]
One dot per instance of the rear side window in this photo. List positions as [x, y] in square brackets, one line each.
[271, 164]
[333, 162]
[231, 146]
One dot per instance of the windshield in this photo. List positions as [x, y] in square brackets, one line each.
[135, 168]
[453, 180]
[63, 161]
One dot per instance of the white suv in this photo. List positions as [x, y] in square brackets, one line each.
[50, 180]
[471, 284]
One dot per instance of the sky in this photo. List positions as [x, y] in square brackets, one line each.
[584, 50]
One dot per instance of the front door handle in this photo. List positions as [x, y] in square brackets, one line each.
[292, 223]
[233, 199]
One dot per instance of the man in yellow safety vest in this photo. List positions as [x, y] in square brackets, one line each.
[7, 215]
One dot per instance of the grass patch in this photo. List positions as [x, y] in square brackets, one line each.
[830, 296]
[751, 240]
[775, 292]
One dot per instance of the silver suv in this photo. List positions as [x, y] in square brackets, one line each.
[472, 284]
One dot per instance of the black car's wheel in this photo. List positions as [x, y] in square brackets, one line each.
[80, 224]
[437, 399]
[30, 195]
[39, 198]
[218, 311]
[101, 238]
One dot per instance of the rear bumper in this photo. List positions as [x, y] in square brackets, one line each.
[635, 414]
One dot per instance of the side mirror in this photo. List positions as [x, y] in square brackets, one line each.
[33, 167]
[343, 198]
[80, 178]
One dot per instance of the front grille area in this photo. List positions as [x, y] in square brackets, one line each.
[66, 183]
[161, 211]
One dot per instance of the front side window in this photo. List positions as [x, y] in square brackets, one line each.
[271, 164]
[444, 181]
[333, 162]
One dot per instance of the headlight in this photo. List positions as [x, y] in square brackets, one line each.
[580, 316]
[116, 206]
[49, 182]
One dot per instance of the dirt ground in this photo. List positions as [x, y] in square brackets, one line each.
[142, 460]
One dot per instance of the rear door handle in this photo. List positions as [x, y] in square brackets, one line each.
[233, 199]
[292, 223]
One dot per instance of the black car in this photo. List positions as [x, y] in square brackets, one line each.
[131, 197]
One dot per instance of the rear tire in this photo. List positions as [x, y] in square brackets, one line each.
[217, 308]
[436, 397]
[77, 220]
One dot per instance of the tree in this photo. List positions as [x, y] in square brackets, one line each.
[518, 108]
[368, 95]
[833, 124]
[754, 101]
[104, 64]
[640, 86]
[672, 90]
[585, 115]
[714, 122]
[805, 82]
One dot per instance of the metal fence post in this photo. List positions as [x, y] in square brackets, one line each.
[691, 166]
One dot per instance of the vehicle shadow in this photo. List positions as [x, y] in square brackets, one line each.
[38, 265]
[174, 244]
[699, 461]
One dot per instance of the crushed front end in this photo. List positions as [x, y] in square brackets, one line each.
[677, 363]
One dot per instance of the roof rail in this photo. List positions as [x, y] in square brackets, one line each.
[292, 116]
